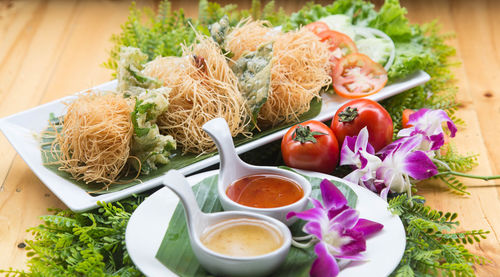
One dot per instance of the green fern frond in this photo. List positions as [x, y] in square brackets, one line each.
[456, 161]
[82, 244]
[455, 185]
[431, 248]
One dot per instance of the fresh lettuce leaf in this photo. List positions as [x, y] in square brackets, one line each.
[378, 49]
[391, 20]
[412, 51]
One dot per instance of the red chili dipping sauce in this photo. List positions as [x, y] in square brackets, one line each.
[265, 191]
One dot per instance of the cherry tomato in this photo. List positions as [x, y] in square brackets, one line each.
[317, 27]
[356, 114]
[356, 75]
[406, 118]
[339, 44]
[310, 145]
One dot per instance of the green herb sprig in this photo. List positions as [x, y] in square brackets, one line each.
[432, 248]
[82, 244]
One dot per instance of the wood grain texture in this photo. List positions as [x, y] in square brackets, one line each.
[50, 49]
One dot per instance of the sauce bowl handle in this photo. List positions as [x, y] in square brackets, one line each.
[219, 131]
[175, 181]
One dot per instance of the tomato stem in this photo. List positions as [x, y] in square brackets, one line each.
[348, 114]
[304, 134]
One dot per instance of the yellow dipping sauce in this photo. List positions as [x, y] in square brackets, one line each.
[242, 237]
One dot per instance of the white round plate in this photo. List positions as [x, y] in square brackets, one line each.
[150, 220]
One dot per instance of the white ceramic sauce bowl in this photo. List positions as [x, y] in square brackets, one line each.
[232, 168]
[219, 264]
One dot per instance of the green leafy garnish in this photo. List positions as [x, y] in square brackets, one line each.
[432, 248]
[140, 109]
[82, 244]
[155, 35]
[131, 80]
[143, 80]
[254, 77]
[149, 146]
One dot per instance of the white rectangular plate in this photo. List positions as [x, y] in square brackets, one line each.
[21, 130]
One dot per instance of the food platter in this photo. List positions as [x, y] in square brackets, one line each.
[148, 223]
[22, 129]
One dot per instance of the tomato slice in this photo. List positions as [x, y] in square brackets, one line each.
[340, 44]
[356, 75]
[317, 27]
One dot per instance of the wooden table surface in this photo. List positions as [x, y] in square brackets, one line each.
[50, 49]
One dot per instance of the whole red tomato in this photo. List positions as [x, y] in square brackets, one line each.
[310, 145]
[356, 114]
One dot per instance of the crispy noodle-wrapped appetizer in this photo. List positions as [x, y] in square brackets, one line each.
[300, 67]
[94, 142]
[203, 87]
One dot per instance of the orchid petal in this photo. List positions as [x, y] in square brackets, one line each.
[334, 212]
[436, 141]
[363, 160]
[373, 162]
[408, 145]
[353, 146]
[347, 218]
[452, 127]
[370, 149]
[384, 192]
[313, 228]
[386, 173]
[406, 132]
[430, 121]
[311, 214]
[419, 166]
[357, 244]
[350, 142]
[325, 265]
[393, 178]
[354, 176]
[316, 203]
[347, 152]
[332, 196]
[417, 116]
[362, 139]
[367, 227]
[355, 257]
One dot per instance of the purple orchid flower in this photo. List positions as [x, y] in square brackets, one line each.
[402, 161]
[340, 231]
[428, 123]
[359, 153]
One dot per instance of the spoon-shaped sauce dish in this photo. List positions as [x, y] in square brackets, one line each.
[231, 243]
[232, 169]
